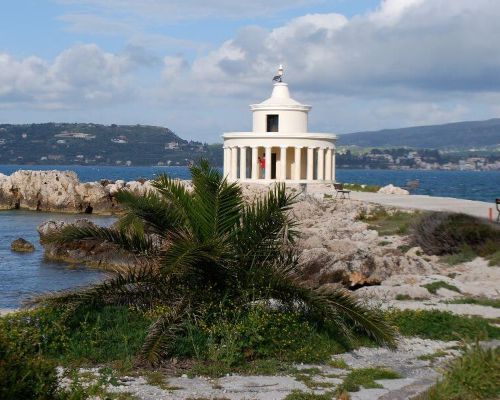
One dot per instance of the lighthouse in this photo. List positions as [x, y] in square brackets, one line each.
[280, 147]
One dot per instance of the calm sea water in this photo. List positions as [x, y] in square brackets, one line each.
[473, 185]
[22, 275]
[25, 274]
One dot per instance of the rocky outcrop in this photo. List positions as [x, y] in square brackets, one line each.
[391, 189]
[62, 191]
[337, 248]
[90, 252]
[22, 246]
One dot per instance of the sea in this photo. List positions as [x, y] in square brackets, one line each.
[23, 276]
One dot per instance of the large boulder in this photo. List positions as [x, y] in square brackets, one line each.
[391, 189]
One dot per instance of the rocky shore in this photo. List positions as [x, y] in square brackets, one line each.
[62, 191]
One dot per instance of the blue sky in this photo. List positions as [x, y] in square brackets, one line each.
[195, 65]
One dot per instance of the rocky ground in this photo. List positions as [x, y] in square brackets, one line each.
[337, 248]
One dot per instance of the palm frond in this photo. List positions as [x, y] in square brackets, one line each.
[217, 203]
[265, 225]
[162, 334]
[140, 286]
[150, 208]
[176, 195]
[336, 306]
[131, 240]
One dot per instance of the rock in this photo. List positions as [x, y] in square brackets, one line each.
[22, 246]
[90, 252]
[391, 189]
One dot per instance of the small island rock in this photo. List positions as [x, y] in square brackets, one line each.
[21, 245]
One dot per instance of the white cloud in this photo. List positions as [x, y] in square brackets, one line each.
[83, 74]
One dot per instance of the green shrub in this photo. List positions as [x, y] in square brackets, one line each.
[441, 325]
[24, 375]
[475, 375]
[234, 337]
[435, 286]
[444, 233]
[389, 223]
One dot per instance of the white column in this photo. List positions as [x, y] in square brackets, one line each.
[333, 165]
[234, 163]
[321, 164]
[255, 163]
[243, 163]
[268, 163]
[226, 161]
[328, 166]
[283, 163]
[310, 163]
[298, 163]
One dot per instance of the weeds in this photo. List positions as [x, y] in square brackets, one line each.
[475, 375]
[435, 286]
[389, 223]
[442, 325]
[481, 301]
[366, 378]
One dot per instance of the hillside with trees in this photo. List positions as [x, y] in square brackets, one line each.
[95, 144]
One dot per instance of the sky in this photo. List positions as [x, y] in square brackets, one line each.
[195, 66]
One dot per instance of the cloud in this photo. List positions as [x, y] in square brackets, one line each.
[168, 10]
[84, 74]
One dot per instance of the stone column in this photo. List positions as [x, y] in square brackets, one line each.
[255, 163]
[321, 164]
[234, 163]
[328, 166]
[227, 154]
[298, 163]
[283, 163]
[333, 165]
[243, 163]
[268, 163]
[310, 163]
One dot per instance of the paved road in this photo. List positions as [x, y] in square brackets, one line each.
[430, 203]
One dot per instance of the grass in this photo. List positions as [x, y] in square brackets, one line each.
[432, 356]
[157, 378]
[494, 259]
[389, 223]
[466, 254]
[309, 381]
[300, 395]
[481, 301]
[338, 363]
[475, 375]
[435, 286]
[442, 325]
[366, 377]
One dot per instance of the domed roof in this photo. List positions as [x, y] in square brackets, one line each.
[280, 98]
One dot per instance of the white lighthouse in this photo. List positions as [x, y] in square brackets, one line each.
[280, 148]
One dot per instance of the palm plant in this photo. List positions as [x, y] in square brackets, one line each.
[204, 246]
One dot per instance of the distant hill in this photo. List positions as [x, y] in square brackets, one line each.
[458, 135]
[95, 144]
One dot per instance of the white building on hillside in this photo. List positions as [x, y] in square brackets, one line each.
[280, 146]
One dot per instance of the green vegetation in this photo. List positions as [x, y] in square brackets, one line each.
[300, 395]
[465, 254]
[475, 375]
[442, 325]
[482, 301]
[389, 223]
[366, 378]
[338, 363]
[433, 287]
[458, 237]
[432, 356]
